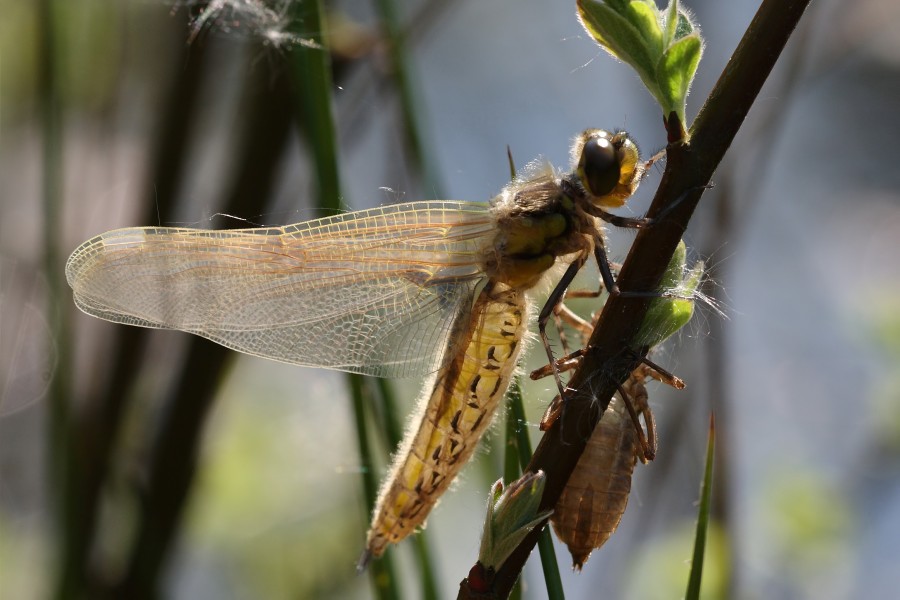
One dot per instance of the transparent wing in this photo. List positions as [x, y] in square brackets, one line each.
[372, 292]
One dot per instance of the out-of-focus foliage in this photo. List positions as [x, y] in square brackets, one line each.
[24, 557]
[885, 330]
[262, 506]
[810, 521]
[670, 555]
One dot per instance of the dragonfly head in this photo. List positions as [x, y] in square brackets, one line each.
[607, 165]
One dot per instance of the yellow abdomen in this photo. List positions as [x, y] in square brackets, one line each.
[468, 389]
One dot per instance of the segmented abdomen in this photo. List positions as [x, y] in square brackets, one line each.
[595, 497]
[453, 416]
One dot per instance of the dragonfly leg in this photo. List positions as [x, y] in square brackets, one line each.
[555, 299]
[552, 413]
[624, 222]
[643, 222]
[609, 280]
[646, 441]
[564, 364]
[572, 359]
[614, 268]
[562, 314]
[661, 155]
[662, 375]
[606, 274]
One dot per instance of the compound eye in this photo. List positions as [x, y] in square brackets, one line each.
[600, 165]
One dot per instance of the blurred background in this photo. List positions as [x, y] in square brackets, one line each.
[137, 463]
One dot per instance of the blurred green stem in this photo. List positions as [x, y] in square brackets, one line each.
[64, 458]
[312, 86]
[410, 105]
[98, 431]
[175, 450]
[312, 82]
[382, 572]
[696, 575]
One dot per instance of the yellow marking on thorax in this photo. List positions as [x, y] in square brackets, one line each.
[467, 391]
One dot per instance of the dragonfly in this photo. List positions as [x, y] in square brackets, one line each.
[434, 288]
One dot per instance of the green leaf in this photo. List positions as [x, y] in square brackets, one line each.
[671, 22]
[666, 321]
[511, 515]
[685, 25]
[671, 312]
[676, 72]
[618, 37]
[644, 17]
[675, 270]
[619, 6]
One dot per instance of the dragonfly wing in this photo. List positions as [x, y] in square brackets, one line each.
[372, 292]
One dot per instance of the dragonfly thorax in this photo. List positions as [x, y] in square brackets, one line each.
[536, 222]
[542, 215]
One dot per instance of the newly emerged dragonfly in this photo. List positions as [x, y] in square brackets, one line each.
[432, 287]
